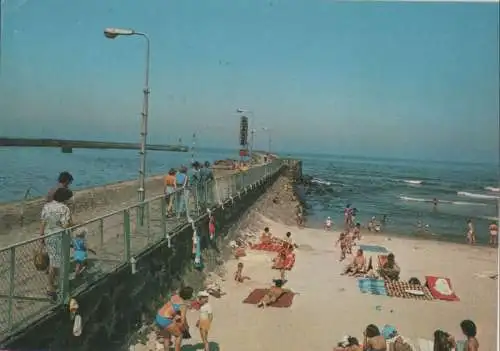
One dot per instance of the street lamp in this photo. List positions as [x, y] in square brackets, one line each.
[112, 33]
[269, 140]
[252, 131]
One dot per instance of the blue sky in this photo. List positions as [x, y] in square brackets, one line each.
[418, 80]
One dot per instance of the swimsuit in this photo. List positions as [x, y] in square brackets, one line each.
[80, 254]
[165, 322]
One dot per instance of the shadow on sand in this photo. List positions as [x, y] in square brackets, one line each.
[213, 347]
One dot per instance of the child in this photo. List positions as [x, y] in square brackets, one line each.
[357, 231]
[328, 224]
[211, 227]
[205, 319]
[80, 250]
[238, 275]
[343, 245]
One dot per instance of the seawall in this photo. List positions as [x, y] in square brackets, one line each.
[117, 303]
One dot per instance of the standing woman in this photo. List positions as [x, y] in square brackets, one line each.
[181, 181]
[55, 217]
[170, 187]
[171, 318]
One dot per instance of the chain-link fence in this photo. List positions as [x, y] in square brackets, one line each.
[28, 290]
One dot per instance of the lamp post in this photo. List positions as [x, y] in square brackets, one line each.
[252, 130]
[112, 33]
[269, 138]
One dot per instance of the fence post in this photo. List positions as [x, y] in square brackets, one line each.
[66, 264]
[148, 220]
[126, 234]
[101, 231]
[163, 214]
[12, 284]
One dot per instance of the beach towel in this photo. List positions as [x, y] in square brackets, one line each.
[256, 295]
[373, 248]
[271, 247]
[403, 290]
[372, 286]
[441, 288]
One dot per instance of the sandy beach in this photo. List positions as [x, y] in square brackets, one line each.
[330, 306]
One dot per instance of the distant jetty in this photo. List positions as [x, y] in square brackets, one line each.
[67, 146]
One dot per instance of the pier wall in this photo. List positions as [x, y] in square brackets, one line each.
[118, 304]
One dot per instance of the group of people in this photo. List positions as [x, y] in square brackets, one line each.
[185, 184]
[171, 318]
[388, 339]
[56, 217]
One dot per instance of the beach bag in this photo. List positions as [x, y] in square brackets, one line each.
[41, 259]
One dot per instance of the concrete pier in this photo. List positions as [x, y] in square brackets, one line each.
[67, 146]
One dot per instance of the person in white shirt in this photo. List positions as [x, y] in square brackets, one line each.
[328, 224]
[205, 319]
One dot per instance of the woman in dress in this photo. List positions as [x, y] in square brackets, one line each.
[55, 218]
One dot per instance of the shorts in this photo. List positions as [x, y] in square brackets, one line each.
[163, 322]
[493, 232]
[169, 190]
[80, 256]
[204, 324]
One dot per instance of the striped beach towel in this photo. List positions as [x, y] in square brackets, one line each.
[373, 248]
[372, 286]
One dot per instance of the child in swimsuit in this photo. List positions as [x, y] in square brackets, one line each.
[80, 251]
[205, 319]
[328, 224]
[238, 275]
[493, 234]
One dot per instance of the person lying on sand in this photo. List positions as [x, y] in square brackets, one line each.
[373, 340]
[273, 294]
[349, 343]
[357, 265]
[390, 270]
[238, 275]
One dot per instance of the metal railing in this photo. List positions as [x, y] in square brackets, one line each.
[116, 237]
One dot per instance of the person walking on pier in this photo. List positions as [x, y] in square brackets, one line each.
[55, 217]
[181, 181]
[63, 181]
[170, 187]
[193, 187]
[206, 177]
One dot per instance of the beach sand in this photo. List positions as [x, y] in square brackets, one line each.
[330, 306]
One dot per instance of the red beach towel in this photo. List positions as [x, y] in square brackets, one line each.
[441, 288]
[284, 301]
[271, 247]
[287, 263]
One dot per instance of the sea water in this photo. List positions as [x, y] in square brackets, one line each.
[402, 190]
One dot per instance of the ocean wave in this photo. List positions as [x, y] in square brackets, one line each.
[463, 203]
[493, 189]
[477, 196]
[320, 181]
[412, 182]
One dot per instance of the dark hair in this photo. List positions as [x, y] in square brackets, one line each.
[352, 341]
[390, 257]
[288, 234]
[266, 229]
[62, 194]
[441, 341]
[278, 282]
[196, 164]
[183, 169]
[207, 164]
[186, 293]
[65, 177]
[360, 251]
[171, 171]
[240, 264]
[358, 224]
[414, 281]
[372, 331]
[468, 328]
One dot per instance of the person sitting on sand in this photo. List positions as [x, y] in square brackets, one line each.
[390, 270]
[238, 275]
[443, 341]
[266, 236]
[357, 265]
[328, 224]
[273, 294]
[469, 329]
[373, 340]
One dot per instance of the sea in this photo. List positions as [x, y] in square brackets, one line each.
[402, 190]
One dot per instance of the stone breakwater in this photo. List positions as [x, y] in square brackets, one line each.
[116, 306]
